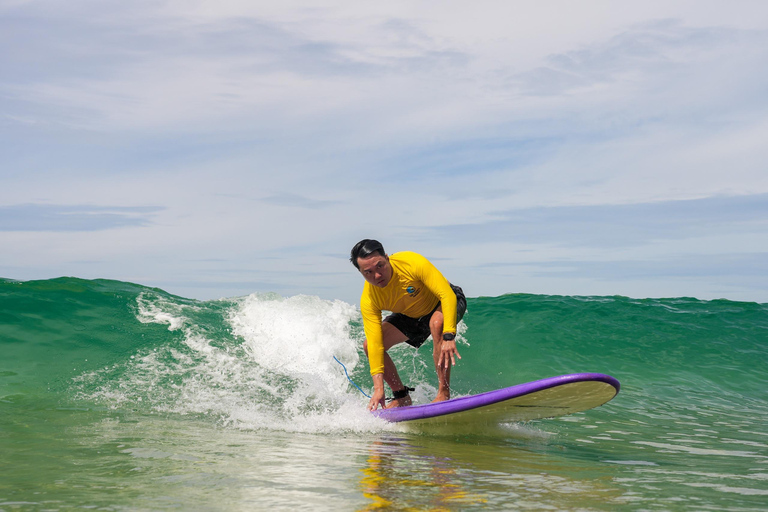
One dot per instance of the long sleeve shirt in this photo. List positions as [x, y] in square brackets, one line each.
[415, 289]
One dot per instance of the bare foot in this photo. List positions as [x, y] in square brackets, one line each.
[399, 402]
[442, 397]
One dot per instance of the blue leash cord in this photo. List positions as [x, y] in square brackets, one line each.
[350, 380]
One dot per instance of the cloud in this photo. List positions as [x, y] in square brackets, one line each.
[151, 68]
[647, 48]
[470, 134]
[48, 217]
[622, 225]
[298, 201]
[743, 266]
[738, 276]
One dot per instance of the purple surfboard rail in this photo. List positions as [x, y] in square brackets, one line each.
[467, 403]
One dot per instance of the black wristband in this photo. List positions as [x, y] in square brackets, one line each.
[448, 336]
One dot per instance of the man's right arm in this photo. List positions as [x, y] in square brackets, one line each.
[377, 398]
[374, 337]
[373, 334]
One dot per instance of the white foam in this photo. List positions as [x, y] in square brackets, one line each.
[299, 335]
[276, 370]
[155, 309]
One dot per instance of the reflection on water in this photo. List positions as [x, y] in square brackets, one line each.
[396, 477]
[61, 459]
[124, 461]
[471, 473]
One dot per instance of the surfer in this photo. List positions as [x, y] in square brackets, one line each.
[421, 302]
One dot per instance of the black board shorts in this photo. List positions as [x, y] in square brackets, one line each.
[417, 329]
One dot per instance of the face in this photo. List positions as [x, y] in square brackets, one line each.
[376, 269]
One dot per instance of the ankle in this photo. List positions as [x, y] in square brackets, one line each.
[401, 393]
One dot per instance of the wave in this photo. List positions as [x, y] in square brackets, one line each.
[266, 361]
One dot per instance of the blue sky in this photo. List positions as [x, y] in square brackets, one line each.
[216, 149]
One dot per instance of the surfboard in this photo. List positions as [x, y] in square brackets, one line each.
[546, 398]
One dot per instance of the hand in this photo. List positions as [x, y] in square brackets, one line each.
[376, 399]
[447, 353]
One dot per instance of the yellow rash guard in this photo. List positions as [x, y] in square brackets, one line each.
[415, 290]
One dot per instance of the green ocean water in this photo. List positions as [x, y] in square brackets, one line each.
[115, 396]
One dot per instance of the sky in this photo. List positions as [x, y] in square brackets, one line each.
[218, 149]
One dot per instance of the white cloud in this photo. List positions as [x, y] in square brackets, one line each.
[271, 137]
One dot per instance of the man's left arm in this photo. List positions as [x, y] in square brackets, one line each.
[439, 285]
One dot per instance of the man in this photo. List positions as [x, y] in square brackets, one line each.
[422, 302]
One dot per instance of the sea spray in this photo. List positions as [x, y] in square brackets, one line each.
[258, 362]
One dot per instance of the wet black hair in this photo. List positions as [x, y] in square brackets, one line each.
[365, 248]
